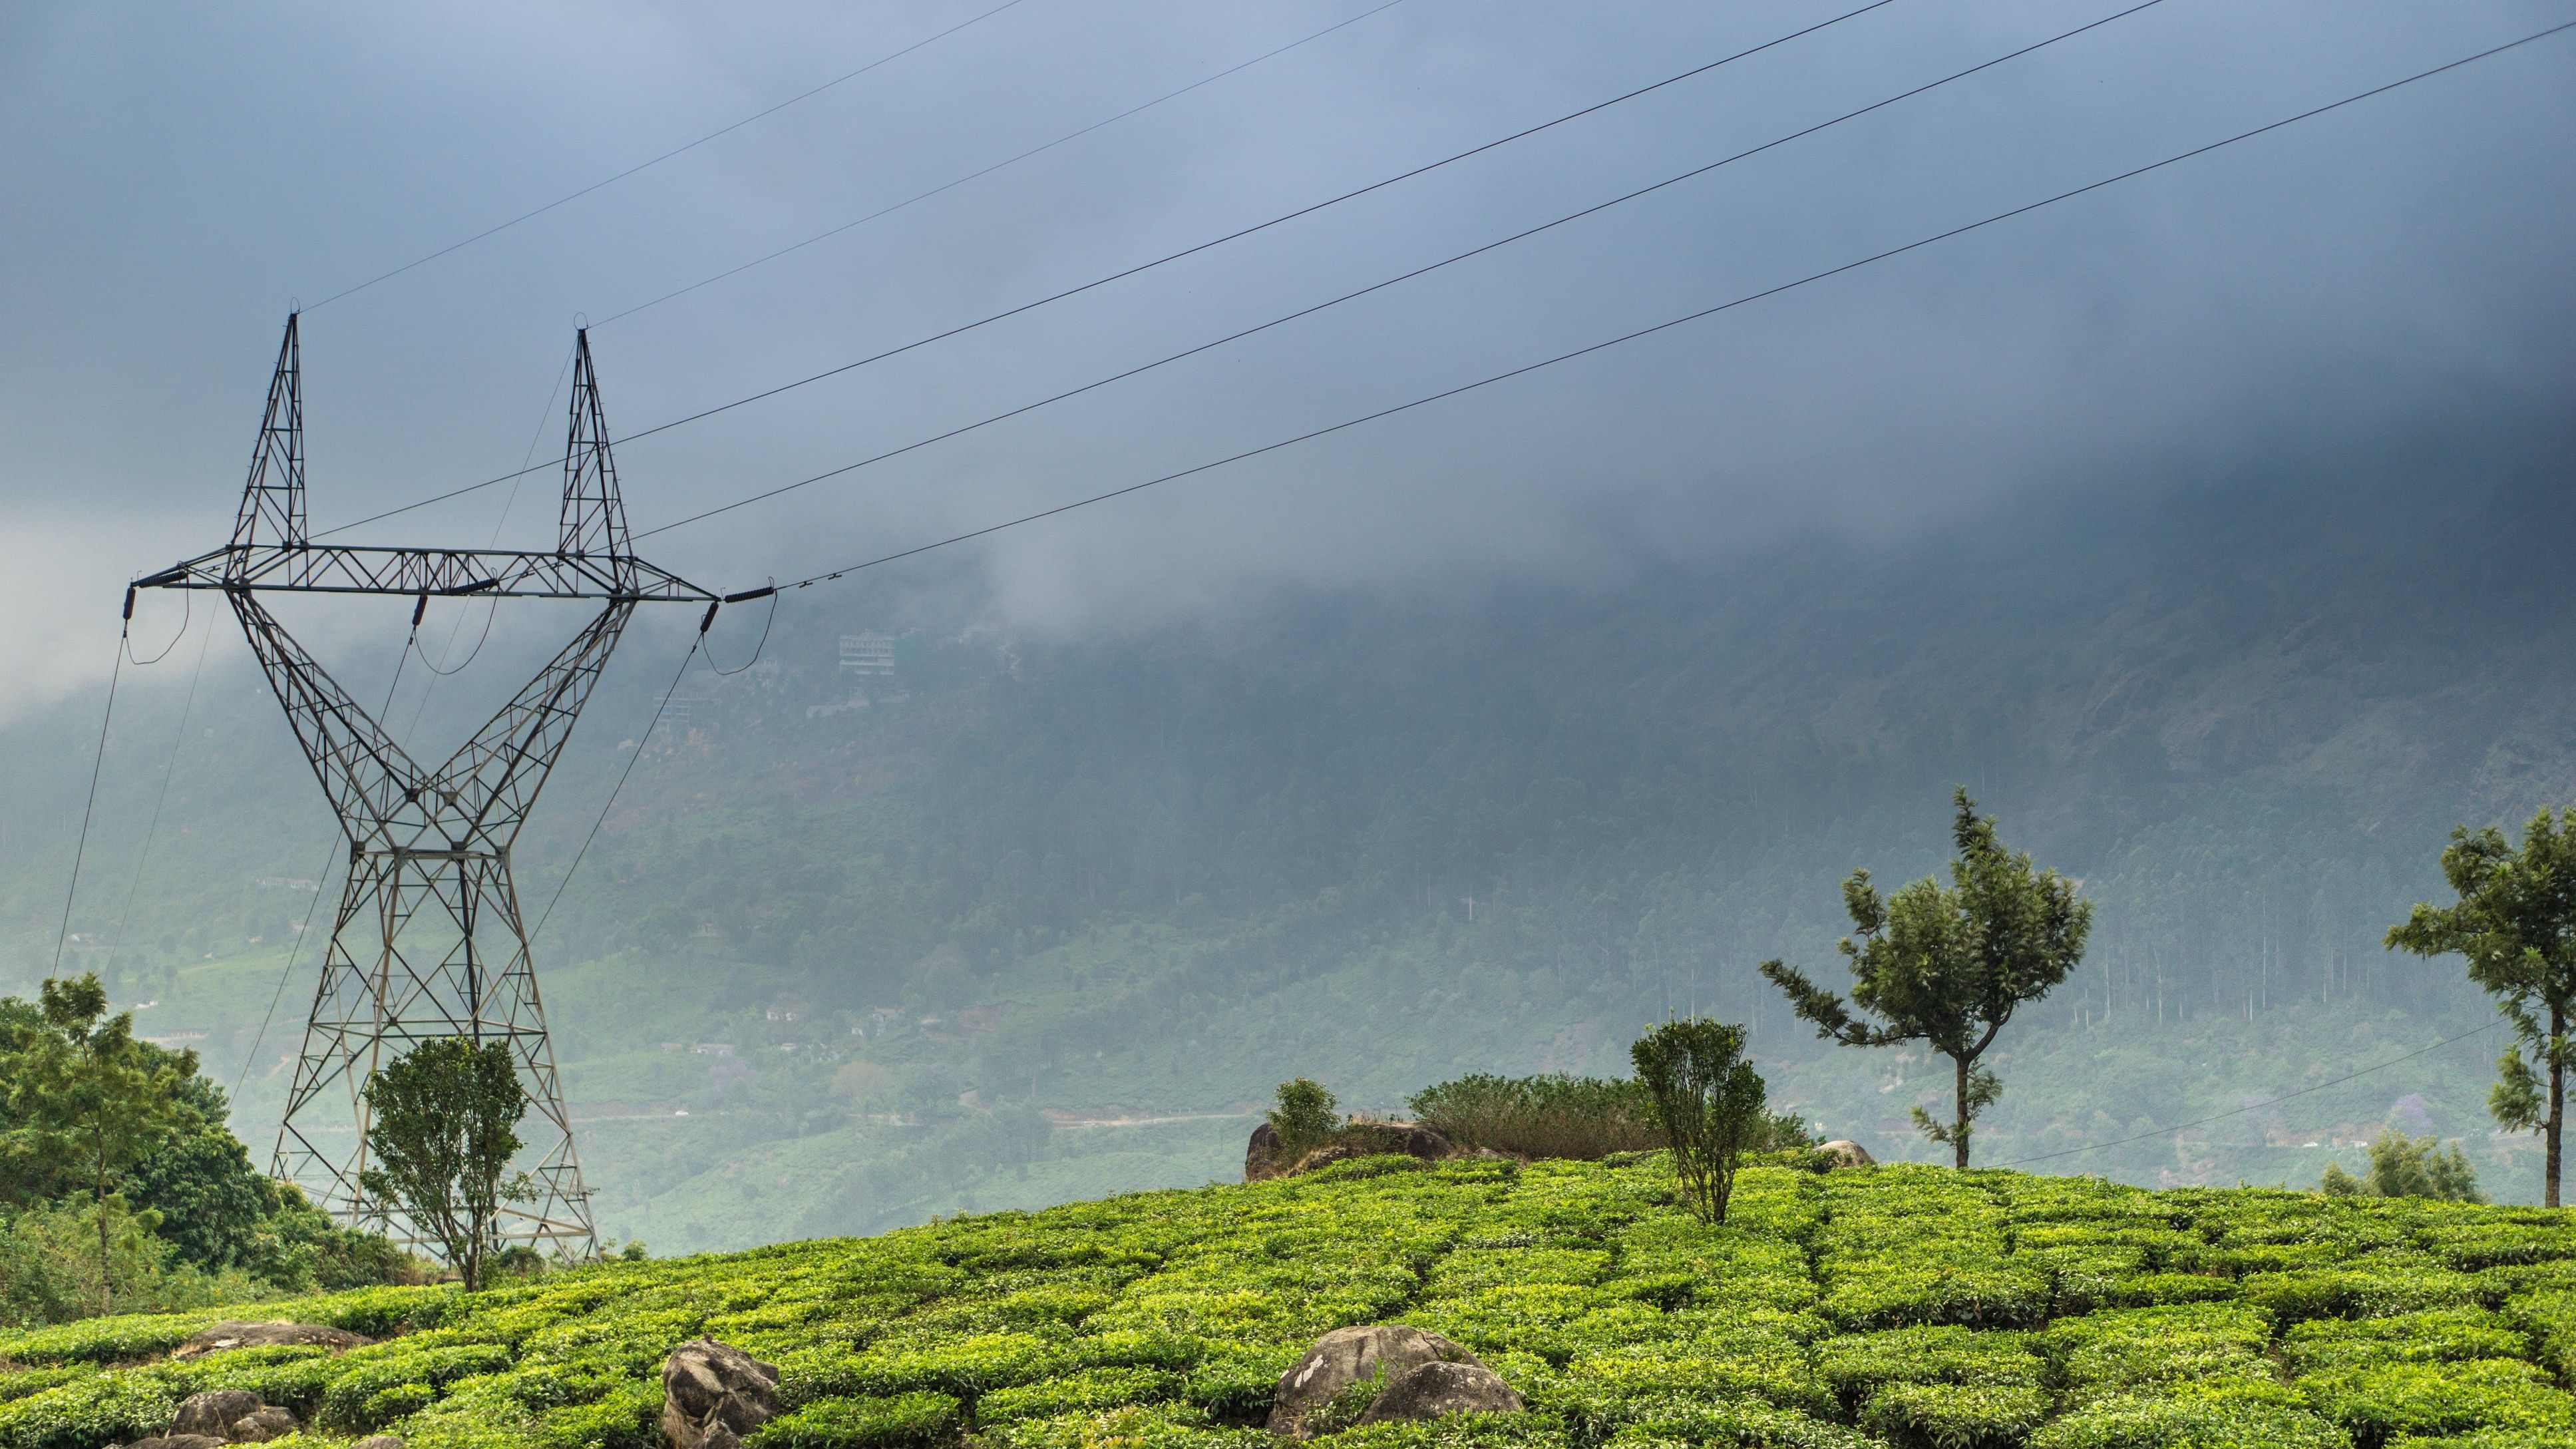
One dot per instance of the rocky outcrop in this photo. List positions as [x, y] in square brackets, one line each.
[1263, 1157]
[1846, 1153]
[1431, 1390]
[230, 1416]
[216, 1337]
[713, 1394]
[1346, 1356]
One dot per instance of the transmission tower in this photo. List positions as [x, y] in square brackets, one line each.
[429, 941]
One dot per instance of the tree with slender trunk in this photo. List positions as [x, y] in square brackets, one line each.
[1948, 965]
[2515, 921]
[84, 1101]
[442, 1127]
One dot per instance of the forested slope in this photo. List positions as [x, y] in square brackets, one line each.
[1030, 919]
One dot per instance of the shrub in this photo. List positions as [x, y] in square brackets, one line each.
[1582, 1118]
[1304, 1117]
[861, 1423]
[2382, 1400]
[2403, 1166]
[1956, 1416]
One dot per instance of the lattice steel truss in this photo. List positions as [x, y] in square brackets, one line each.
[429, 941]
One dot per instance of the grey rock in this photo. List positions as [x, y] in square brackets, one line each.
[178, 1441]
[379, 1441]
[216, 1337]
[1345, 1356]
[1847, 1153]
[1431, 1390]
[1261, 1154]
[261, 1425]
[212, 1413]
[713, 1394]
[232, 1415]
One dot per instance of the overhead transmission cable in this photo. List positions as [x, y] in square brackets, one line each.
[1421, 271]
[1069, 136]
[2255, 1107]
[1660, 327]
[1142, 267]
[573, 196]
[89, 804]
[169, 772]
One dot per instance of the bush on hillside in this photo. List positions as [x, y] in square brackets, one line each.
[1304, 1117]
[2403, 1166]
[1579, 1119]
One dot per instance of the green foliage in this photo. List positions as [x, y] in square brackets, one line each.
[1949, 965]
[2403, 1166]
[82, 1102]
[899, 1421]
[1849, 1310]
[1707, 1100]
[1304, 1117]
[442, 1127]
[2515, 922]
[1583, 1118]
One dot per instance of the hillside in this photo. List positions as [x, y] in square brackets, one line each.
[1897, 1305]
[1045, 915]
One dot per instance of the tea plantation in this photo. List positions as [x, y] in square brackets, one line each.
[1886, 1306]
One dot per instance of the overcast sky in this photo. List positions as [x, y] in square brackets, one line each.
[177, 177]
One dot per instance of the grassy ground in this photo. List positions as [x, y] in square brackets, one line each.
[1900, 1305]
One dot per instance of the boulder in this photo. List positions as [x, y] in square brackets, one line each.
[178, 1441]
[379, 1441]
[1345, 1356]
[216, 1337]
[1846, 1153]
[1428, 1391]
[713, 1394]
[1261, 1154]
[234, 1416]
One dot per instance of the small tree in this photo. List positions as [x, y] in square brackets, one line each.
[442, 1127]
[2515, 921]
[1304, 1117]
[2403, 1166]
[1949, 965]
[84, 1102]
[1708, 1101]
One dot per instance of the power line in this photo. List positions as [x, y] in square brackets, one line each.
[999, 165]
[1141, 267]
[611, 802]
[169, 772]
[1403, 277]
[2256, 1107]
[1643, 332]
[115, 672]
[658, 160]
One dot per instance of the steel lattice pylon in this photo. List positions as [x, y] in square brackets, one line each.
[429, 940]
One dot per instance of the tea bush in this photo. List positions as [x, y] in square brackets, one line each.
[1880, 1308]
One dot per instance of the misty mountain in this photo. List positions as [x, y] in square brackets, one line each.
[1041, 914]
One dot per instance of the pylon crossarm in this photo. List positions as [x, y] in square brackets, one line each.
[324, 568]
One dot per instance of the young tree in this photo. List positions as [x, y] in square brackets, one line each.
[1708, 1101]
[442, 1127]
[2403, 1166]
[1948, 966]
[2515, 921]
[84, 1102]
